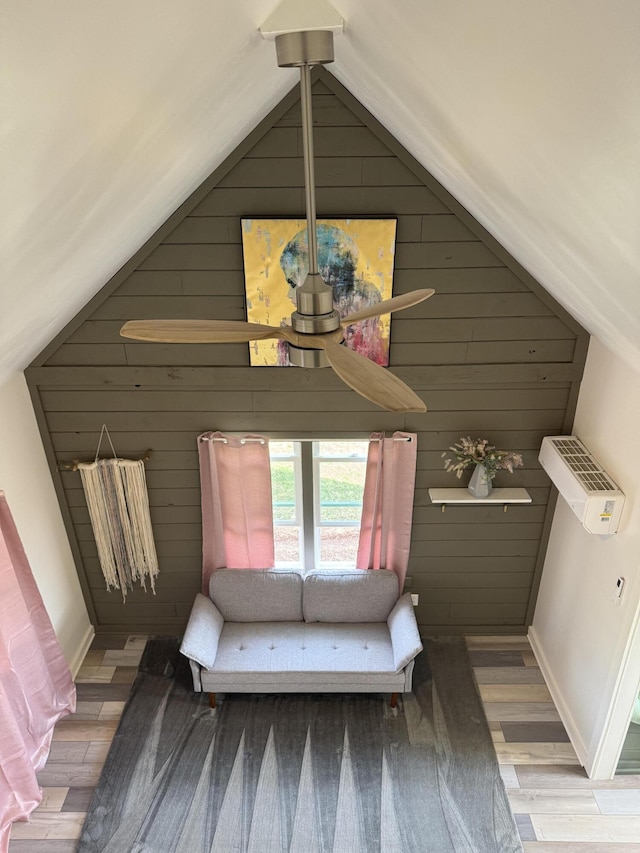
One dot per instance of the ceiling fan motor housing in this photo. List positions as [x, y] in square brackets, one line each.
[300, 357]
[315, 313]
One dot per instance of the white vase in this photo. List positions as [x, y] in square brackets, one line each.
[480, 483]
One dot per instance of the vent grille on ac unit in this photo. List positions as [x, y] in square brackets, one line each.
[583, 465]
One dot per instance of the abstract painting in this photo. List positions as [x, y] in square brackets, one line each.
[355, 257]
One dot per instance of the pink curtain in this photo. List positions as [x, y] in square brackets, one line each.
[387, 510]
[36, 688]
[237, 513]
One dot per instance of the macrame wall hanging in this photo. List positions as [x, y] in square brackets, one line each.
[116, 494]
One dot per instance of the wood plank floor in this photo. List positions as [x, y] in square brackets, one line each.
[557, 808]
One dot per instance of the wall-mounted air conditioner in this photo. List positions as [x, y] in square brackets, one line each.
[582, 482]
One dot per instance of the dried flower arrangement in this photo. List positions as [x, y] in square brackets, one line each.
[477, 451]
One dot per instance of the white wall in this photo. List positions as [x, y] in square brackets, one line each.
[26, 481]
[587, 645]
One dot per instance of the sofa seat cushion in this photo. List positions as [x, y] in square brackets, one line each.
[351, 653]
[257, 595]
[349, 596]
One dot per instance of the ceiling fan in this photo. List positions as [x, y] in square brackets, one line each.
[315, 335]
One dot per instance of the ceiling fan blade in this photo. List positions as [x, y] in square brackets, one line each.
[372, 381]
[396, 303]
[197, 331]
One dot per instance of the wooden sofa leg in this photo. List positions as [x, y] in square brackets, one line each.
[394, 700]
[212, 700]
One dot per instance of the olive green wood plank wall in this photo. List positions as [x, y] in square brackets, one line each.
[491, 354]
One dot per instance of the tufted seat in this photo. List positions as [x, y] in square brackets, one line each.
[269, 631]
[350, 653]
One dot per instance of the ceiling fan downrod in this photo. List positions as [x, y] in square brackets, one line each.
[315, 313]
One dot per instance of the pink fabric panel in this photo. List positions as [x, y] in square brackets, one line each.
[387, 510]
[237, 512]
[36, 688]
[214, 555]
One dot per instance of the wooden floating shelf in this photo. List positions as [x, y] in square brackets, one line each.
[464, 497]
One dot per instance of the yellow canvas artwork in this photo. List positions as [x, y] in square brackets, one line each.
[355, 257]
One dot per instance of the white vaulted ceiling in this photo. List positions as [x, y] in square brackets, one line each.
[114, 112]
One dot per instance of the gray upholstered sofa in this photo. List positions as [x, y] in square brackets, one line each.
[279, 632]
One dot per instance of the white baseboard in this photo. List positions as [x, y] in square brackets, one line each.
[81, 651]
[558, 697]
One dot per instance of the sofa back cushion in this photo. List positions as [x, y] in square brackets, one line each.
[257, 595]
[355, 596]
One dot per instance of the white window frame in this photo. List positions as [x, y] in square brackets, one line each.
[297, 521]
[320, 525]
[307, 460]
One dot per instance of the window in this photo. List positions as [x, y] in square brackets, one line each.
[317, 502]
